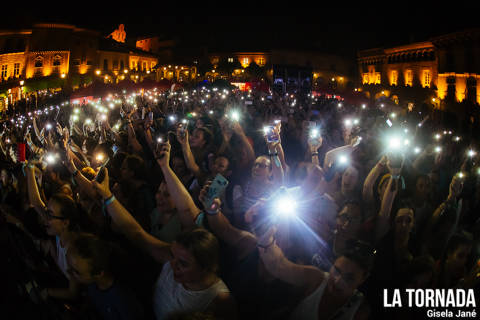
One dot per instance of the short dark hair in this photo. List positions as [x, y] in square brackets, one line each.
[90, 247]
[70, 210]
[459, 239]
[203, 245]
[361, 252]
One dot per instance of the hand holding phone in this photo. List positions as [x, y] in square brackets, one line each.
[101, 172]
[217, 187]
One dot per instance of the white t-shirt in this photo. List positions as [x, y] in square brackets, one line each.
[171, 297]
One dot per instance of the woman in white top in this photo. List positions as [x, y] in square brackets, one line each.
[188, 282]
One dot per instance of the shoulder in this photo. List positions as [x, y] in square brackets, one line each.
[224, 305]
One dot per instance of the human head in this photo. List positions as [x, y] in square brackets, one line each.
[349, 219]
[422, 186]
[351, 269]
[61, 215]
[349, 179]
[419, 272]
[200, 137]
[222, 164]
[262, 168]
[458, 250]
[133, 167]
[88, 258]
[6, 177]
[163, 199]
[195, 254]
[404, 220]
[314, 181]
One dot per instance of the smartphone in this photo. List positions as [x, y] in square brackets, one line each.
[272, 135]
[218, 186]
[389, 122]
[248, 102]
[143, 113]
[114, 149]
[101, 172]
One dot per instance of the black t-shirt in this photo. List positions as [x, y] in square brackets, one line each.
[115, 303]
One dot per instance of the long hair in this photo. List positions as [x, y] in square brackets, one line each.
[204, 247]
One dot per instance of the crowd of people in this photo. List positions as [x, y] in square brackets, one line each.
[213, 203]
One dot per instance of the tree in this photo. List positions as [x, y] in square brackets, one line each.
[255, 71]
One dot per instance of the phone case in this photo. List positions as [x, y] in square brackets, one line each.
[219, 184]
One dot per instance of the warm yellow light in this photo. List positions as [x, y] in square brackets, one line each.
[62, 75]
[213, 71]
[98, 72]
[125, 71]
[22, 82]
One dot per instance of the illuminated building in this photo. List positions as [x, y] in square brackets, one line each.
[448, 66]
[51, 50]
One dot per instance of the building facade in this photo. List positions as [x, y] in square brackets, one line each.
[447, 68]
[65, 52]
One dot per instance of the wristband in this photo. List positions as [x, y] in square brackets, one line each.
[273, 154]
[314, 154]
[109, 201]
[75, 173]
[396, 177]
[212, 212]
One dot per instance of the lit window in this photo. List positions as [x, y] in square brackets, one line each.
[426, 78]
[409, 78]
[378, 79]
[261, 61]
[4, 71]
[394, 77]
[144, 66]
[246, 61]
[365, 78]
[16, 70]
[230, 60]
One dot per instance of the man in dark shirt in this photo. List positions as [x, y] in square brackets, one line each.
[89, 263]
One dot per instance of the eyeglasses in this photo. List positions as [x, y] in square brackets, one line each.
[49, 214]
[260, 165]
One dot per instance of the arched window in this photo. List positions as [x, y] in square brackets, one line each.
[38, 62]
[57, 60]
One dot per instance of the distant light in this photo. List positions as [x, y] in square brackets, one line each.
[438, 149]
[417, 150]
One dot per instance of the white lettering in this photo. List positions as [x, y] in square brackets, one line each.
[460, 301]
[450, 299]
[440, 298]
[429, 298]
[410, 298]
[419, 298]
[397, 299]
[471, 299]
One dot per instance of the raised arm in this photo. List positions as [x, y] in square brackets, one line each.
[188, 155]
[334, 153]
[128, 226]
[383, 219]
[184, 203]
[243, 241]
[277, 169]
[245, 144]
[371, 178]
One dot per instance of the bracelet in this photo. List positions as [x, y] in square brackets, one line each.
[273, 154]
[314, 154]
[109, 200]
[212, 212]
[396, 177]
[267, 246]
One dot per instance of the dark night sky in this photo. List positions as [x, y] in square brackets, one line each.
[333, 30]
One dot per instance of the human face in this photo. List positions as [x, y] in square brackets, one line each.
[163, 199]
[345, 277]
[458, 258]
[315, 181]
[422, 188]
[54, 222]
[185, 268]
[349, 179]
[79, 268]
[404, 221]
[4, 177]
[199, 123]
[178, 166]
[349, 220]
[220, 166]
[261, 168]
[197, 139]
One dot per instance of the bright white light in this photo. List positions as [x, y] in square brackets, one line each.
[394, 143]
[50, 158]
[184, 121]
[314, 133]
[471, 153]
[405, 130]
[438, 149]
[348, 122]
[88, 121]
[100, 157]
[48, 126]
[286, 206]
[171, 118]
[406, 142]
[363, 106]
[417, 150]
[393, 115]
[437, 136]
[103, 117]
[210, 112]
[159, 140]
[461, 175]
[356, 121]
[342, 159]
[235, 116]
[457, 138]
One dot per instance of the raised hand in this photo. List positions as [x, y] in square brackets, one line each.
[103, 188]
[162, 154]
